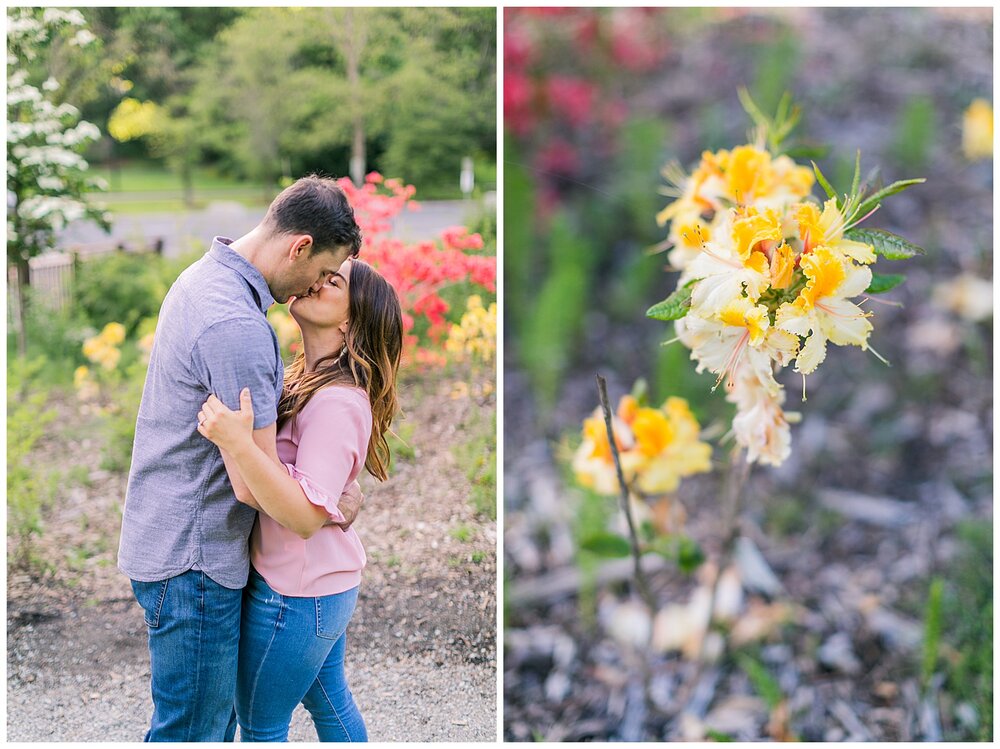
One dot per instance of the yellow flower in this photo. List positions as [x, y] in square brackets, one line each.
[782, 266]
[977, 130]
[113, 334]
[821, 312]
[475, 333]
[109, 358]
[657, 447]
[748, 174]
[92, 347]
[827, 229]
[80, 376]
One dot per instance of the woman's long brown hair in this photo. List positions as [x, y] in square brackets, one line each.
[369, 360]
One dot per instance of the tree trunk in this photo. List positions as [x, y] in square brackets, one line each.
[187, 181]
[355, 42]
[23, 283]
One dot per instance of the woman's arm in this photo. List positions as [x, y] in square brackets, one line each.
[240, 488]
[259, 478]
[350, 501]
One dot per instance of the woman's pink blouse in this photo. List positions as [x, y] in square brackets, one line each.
[324, 449]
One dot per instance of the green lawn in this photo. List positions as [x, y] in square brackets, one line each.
[145, 187]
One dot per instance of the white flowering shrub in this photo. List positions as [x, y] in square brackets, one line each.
[46, 173]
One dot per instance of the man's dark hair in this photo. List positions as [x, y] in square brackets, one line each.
[316, 206]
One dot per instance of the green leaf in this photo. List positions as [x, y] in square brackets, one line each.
[674, 307]
[763, 682]
[689, 555]
[606, 545]
[888, 245]
[718, 736]
[824, 183]
[875, 198]
[806, 151]
[932, 629]
[856, 182]
[882, 282]
[640, 391]
[681, 550]
[751, 108]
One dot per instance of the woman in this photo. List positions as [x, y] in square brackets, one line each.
[338, 402]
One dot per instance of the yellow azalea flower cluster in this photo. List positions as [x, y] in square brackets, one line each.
[977, 130]
[103, 348]
[771, 278]
[476, 333]
[657, 446]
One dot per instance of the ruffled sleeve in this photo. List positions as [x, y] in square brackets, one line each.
[333, 430]
[316, 495]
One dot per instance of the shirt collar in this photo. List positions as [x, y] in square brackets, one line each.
[223, 253]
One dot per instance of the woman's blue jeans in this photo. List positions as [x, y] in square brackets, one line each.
[292, 651]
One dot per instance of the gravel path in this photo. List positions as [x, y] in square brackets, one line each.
[410, 698]
[422, 645]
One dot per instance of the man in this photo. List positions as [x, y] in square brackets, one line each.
[184, 534]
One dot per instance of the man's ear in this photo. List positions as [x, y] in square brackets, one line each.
[301, 245]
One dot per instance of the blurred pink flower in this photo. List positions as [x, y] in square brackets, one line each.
[558, 157]
[518, 50]
[573, 98]
[518, 93]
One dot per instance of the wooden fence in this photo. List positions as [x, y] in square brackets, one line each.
[51, 273]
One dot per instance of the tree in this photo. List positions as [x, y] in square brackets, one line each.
[46, 174]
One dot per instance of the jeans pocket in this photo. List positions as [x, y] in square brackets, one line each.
[150, 596]
[333, 613]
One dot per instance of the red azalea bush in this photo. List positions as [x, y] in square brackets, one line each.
[418, 271]
[564, 96]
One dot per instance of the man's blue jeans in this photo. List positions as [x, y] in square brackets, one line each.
[194, 626]
[292, 651]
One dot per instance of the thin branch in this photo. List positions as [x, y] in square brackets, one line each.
[640, 577]
[736, 483]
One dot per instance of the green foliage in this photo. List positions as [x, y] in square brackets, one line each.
[477, 455]
[55, 335]
[400, 441]
[932, 630]
[775, 64]
[718, 736]
[683, 551]
[28, 486]
[775, 129]
[415, 86]
[550, 333]
[883, 282]
[604, 544]
[886, 244]
[674, 307]
[858, 204]
[915, 132]
[119, 424]
[461, 533]
[124, 287]
[967, 624]
[763, 682]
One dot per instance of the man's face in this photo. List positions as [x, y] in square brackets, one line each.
[304, 272]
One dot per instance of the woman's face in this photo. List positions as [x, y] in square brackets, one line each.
[328, 307]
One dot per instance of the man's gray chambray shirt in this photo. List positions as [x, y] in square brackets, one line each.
[212, 336]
